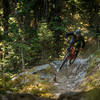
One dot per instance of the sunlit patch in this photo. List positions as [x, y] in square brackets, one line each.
[1, 28]
[12, 20]
[77, 16]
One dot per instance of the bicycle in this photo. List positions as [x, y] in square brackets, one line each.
[70, 56]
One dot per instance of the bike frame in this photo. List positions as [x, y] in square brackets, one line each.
[70, 56]
[72, 51]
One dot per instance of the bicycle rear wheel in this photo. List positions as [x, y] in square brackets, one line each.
[65, 59]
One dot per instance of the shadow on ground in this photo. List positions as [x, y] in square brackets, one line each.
[93, 94]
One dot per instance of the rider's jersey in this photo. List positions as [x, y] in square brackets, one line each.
[80, 43]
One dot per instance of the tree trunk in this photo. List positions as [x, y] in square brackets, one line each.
[6, 11]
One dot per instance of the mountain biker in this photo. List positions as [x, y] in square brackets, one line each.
[75, 38]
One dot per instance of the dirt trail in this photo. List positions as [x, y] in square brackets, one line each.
[70, 77]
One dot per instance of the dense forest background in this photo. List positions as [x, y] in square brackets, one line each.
[32, 31]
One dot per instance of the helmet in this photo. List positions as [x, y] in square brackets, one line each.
[77, 32]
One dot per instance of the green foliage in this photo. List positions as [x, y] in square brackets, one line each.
[93, 80]
[5, 83]
[31, 83]
[95, 60]
[92, 94]
[36, 30]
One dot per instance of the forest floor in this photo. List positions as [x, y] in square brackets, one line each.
[66, 82]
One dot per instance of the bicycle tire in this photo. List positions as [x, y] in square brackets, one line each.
[65, 59]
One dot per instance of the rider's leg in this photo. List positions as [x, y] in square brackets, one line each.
[78, 46]
[77, 49]
[76, 53]
[71, 43]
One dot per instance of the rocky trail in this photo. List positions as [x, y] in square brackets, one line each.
[69, 78]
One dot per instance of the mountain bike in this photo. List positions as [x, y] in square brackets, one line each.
[69, 57]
